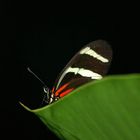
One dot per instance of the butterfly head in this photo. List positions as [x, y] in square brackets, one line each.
[48, 96]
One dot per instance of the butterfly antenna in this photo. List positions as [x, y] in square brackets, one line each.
[35, 76]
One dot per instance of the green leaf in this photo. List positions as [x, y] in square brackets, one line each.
[107, 109]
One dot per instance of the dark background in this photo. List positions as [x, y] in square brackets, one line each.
[44, 38]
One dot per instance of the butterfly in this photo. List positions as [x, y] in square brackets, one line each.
[90, 63]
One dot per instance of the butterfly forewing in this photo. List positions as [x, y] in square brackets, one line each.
[90, 63]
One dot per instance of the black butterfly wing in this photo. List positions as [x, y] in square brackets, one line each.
[90, 63]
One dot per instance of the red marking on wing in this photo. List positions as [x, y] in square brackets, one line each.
[66, 92]
[60, 89]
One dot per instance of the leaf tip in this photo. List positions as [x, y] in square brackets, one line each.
[24, 106]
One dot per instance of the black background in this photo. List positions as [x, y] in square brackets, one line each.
[45, 37]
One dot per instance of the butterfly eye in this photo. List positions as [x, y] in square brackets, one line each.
[47, 92]
[46, 89]
[46, 98]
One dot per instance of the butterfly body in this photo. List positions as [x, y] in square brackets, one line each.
[90, 63]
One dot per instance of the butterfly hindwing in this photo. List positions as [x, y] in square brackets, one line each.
[90, 63]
